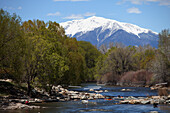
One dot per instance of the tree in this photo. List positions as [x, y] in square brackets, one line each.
[161, 64]
[44, 56]
[11, 46]
[103, 48]
[90, 54]
[143, 57]
[52, 68]
[76, 62]
[76, 68]
[120, 59]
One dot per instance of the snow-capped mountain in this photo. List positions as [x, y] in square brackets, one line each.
[99, 30]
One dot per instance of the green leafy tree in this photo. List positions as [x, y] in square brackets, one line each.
[76, 62]
[44, 56]
[90, 54]
[11, 46]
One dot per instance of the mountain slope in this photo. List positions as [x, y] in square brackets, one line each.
[98, 31]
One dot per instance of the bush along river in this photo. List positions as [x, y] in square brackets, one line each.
[92, 98]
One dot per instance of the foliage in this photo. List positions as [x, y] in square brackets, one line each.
[140, 77]
[41, 55]
[91, 55]
[11, 46]
[161, 65]
[120, 59]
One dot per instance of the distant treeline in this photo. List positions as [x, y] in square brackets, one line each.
[41, 55]
[130, 65]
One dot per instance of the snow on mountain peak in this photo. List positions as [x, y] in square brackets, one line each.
[91, 23]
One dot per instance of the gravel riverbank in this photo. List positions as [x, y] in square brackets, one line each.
[60, 94]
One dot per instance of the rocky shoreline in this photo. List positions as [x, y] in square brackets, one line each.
[14, 106]
[155, 100]
[60, 94]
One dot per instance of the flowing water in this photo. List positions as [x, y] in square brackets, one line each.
[100, 105]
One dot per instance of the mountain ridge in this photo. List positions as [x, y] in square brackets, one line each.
[99, 30]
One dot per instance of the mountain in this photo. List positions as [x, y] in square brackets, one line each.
[99, 30]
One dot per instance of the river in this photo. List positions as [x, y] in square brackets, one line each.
[100, 105]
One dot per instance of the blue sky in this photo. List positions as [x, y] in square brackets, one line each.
[150, 14]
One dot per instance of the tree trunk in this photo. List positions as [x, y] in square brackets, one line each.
[28, 88]
[50, 88]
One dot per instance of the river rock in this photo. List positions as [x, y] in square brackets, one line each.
[153, 112]
[124, 102]
[14, 106]
[75, 97]
[38, 100]
[90, 98]
[141, 97]
[83, 97]
[62, 89]
[162, 101]
[71, 92]
[106, 91]
[168, 96]
[156, 97]
[126, 89]
[167, 102]
[123, 89]
[131, 97]
[100, 91]
[59, 86]
[152, 101]
[96, 91]
[145, 102]
[136, 101]
[91, 89]
[99, 96]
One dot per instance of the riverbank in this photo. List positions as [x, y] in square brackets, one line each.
[17, 98]
[155, 100]
[60, 94]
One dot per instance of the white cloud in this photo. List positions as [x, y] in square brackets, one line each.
[139, 2]
[80, 16]
[136, 1]
[54, 14]
[133, 10]
[19, 7]
[165, 2]
[69, 0]
[73, 16]
[89, 14]
[161, 2]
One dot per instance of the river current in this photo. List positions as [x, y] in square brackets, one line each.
[101, 105]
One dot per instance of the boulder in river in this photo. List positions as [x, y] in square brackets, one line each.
[145, 102]
[91, 89]
[124, 102]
